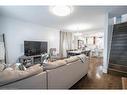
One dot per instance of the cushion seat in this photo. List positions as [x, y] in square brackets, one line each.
[11, 75]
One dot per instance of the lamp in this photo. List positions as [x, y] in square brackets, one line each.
[77, 34]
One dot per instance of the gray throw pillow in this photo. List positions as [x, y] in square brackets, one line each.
[19, 66]
[2, 67]
[22, 67]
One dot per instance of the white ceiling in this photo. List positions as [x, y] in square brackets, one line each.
[93, 15]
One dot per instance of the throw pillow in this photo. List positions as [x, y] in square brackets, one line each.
[19, 66]
[1, 67]
[45, 58]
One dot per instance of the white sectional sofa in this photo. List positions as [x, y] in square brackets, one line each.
[61, 74]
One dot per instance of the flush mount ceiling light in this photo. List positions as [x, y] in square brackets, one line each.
[78, 27]
[77, 34]
[61, 10]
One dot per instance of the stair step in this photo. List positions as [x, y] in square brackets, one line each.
[118, 67]
[117, 72]
[118, 64]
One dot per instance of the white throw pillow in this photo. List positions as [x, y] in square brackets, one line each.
[82, 58]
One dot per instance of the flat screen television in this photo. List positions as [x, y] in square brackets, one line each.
[35, 48]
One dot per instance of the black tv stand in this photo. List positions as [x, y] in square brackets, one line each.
[35, 59]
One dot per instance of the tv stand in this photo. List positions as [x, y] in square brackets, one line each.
[35, 59]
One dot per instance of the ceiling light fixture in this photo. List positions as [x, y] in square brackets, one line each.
[77, 34]
[78, 27]
[61, 10]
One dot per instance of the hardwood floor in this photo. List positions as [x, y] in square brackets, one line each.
[95, 79]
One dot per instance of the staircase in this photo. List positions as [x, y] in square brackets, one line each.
[118, 52]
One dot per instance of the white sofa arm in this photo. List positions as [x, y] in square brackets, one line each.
[66, 76]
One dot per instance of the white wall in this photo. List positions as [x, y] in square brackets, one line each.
[105, 54]
[16, 31]
[124, 18]
[107, 41]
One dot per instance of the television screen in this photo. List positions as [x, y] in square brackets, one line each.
[34, 48]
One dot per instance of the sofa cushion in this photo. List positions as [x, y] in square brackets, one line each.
[33, 70]
[53, 65]
[72, 59]
[7, 76]
[11, 75]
